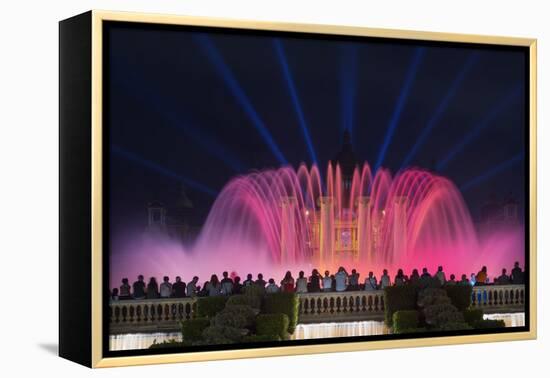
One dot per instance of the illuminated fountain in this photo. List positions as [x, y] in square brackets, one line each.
[286, 219]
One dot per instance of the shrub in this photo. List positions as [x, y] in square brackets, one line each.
[253, 301]
[272, 325]
[260, 338]
[471, 316]
[192, 329]
[254, 290]
[461, 296]
[210, 306]
[438, 313]
[489, 324]
[432, 296]
[166, 344]
[429, 283]
[397, 298]
[405, 320]
[215, 335]
[454, 326]
[413, 330]
[236, 316]
[286, 303]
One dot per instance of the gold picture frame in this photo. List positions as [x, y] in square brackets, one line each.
[97, 18]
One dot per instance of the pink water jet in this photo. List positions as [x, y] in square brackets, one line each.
[284, 219]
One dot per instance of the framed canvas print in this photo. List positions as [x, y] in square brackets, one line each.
[234, 188]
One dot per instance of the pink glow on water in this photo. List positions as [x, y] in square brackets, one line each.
[272, 221]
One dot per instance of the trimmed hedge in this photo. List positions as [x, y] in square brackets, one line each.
[405, 320]
[261, 338]
[432, 296]
[210, 306]
[461, 296]
[272, 325]
[166, 344]
[471, 316]
[236, 316]
[398, 298]
[438, 314]
[254, 290]
[253, 301]
[192, 329]
[454, 326]
[286, 303]
[215, 335]
[489, 324]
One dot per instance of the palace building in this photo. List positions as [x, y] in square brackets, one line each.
[352, 233]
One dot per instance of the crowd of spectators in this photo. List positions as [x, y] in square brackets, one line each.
[338, 282]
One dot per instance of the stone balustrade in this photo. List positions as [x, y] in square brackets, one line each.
[150, 315]
[164, 315]
[341, 306]
[499, 298]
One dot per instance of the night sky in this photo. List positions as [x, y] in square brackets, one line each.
[198, 107]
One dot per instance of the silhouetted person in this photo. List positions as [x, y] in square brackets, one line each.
[227, 284]
[452, 280]
[327, 281]
[301, 283]
[353, 280]
[440, 275]
[178, 288]
[370, 282]
[125, 290]
[481, 276]
[400, 278]
[503, 279]
[114, 295]
[385, 280]
[214, 286]
[203, 291]
[237, 286]
[152, 288]
[415, 277]
[517, 275]
[192, 289]
[139, 288]
[464, 280]
[287, 283]
[272, 287]
[314, 282]
[425, 273]
[249, 281]
[165, 288]
[260, 281]
[341, 278]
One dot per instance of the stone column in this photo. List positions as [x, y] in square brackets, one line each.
[288, 229]
[326, 231]
[364, 242]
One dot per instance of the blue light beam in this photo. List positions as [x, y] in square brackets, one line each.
[215, 58]
[348, 83]
[492, 172]
[476, 131]
[470, 62]
[162, 170]
[180, 119]
[401, 101]
[294, 96]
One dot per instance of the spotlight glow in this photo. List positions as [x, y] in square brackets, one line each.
[214, 56]
[162, 170]
[440, 109]
[401, 101]
[503, 105]
[294, 96]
